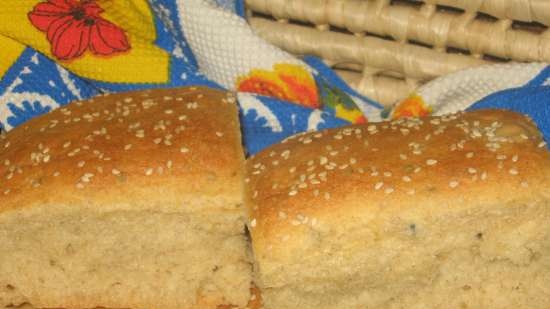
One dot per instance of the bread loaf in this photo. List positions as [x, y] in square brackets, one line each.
[129, 200]
[441, 212]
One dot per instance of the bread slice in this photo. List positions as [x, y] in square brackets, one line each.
[126, 201]
[441, 212]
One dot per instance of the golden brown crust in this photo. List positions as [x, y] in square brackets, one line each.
[414, 166]
[122, 147]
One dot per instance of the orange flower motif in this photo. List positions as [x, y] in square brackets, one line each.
[413, 106]
[287, 82]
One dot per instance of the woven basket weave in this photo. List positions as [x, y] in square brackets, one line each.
[385, 49]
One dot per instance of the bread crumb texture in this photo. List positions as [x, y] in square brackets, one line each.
[128, 200]
[440, 212]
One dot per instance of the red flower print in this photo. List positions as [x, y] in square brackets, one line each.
[73, 26]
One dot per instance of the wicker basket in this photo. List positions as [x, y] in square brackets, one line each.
[385, 49]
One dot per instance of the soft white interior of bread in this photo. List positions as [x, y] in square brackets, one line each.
[494, 257]
[151, 257]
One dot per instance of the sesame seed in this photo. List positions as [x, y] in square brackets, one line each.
[140, 133]
[483, 176]
[219, 134]
[327, 195]
[282, 215]
[501, 157]
[403, 157]
[292, 192]
[169, 164]
[253, 223]
[513, 171]
[387, 174]
[470, 155]
[472, 170]
[411, 192]
[127, 147]
[431, 162]
[184, 150]
[149, 171]
[323, 160]
[378, 185]
[81, 163]
[157, 140]
[524, 184]
[56, 174]
[406, 179]
[7, 191]
[541, 144]
[115, 171]
[453, 184]
[80, 185]
[67, 144]
[388, 190]
[515, 158]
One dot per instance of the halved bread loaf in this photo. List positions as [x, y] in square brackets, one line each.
[129, 200]
[441, 212]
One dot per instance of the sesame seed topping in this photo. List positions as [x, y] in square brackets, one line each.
[453, 184]
[127, 147]
[524, 184]
[292, 192]
[515, 158]
[56, 174]
[431, 162]
[483, 176]
[115, 171]
[219, 134]
[388, 190]
[513, 171]
[472, 170]
[378, 185]
[470, 155]
[253, 223]
[501, 157]
[406, 179]
[81, 163]
[149, 171]
[542, 144]
[184, 149]
[140, 133]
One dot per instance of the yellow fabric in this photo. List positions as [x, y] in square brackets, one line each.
[10, 50]
[143, 63]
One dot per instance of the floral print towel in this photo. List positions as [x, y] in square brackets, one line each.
[57, 51]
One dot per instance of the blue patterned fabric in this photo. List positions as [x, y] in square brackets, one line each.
[533, 99]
